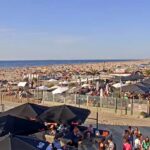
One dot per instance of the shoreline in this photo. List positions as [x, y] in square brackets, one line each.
[63, 62]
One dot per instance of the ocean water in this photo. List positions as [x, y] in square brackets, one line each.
[30, 63]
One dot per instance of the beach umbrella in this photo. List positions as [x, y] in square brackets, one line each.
[17, 142]
[133, 88]
[15, 125]
[26, 111]
[65, 114]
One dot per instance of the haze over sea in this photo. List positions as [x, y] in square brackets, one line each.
[30, 63]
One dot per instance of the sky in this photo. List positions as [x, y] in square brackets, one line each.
[74, 29]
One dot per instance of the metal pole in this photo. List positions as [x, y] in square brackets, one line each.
[116, 105]
[132, 106]
[97, 118]
[87, 101]
[148, 107]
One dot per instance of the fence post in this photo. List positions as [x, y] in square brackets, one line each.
[116, 105]
[126, 108]
[101, 100]
[132, 106]
[75, 99]
[87, 102]
[97, 118]
[148, 107]
[121, 105]
[107, 101]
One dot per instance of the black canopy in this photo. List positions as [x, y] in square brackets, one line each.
[15, 142]
[65, 114]
[26, 111]
[134, 88]
[147, 81]
[14, 125]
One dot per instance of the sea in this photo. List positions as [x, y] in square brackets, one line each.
[32, 63]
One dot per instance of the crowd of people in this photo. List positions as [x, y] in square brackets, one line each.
[66, 136]
[134, 140]
[71, 137]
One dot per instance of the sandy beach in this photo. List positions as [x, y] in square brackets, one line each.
[16, 74]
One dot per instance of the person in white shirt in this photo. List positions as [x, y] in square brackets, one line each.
[137, 143]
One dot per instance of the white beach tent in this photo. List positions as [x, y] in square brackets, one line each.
[85, 85]
[64, 83]
[54, 87]
[52, 80]
[22, 84]
[42, 88]
[60, 90]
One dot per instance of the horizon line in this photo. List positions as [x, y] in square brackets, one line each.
[117, 59]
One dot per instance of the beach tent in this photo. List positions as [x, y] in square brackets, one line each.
[65, 114]
[54, 87]
[15, 125]
[146, 85]
[42, 88]
[118, 85]
[60, 90]
[64, 83]
[74, 90]
[52, 80]
[134, 88]
[85, 85]
[17, 142]
[132, 77]
[22, 84]
[147, 81]
[26, 111]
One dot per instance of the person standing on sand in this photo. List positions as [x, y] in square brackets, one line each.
[111, 145]
[137, 143]
[146, 144]
[127, 145]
